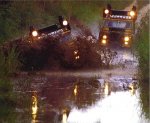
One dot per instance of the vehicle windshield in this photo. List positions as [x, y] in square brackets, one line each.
[117, 24]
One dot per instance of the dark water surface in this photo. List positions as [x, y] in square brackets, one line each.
[78, 100]
[74, 100]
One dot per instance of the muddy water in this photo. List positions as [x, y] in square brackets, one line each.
[103, 96]
[106, 96]
[81, 100]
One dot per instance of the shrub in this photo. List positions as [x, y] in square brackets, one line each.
[142, 49]
[9, 63]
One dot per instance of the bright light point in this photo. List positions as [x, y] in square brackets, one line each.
[75, 90]
[104, 37]
[104, 41]
[126, 43]
[64, 117]
[106, 89]
[75, 52]
[65, 23]
[77, 57]
[132, 13]
[34, 33]
[106, 11]
[126, 38]
[34, 105]
[111, 109]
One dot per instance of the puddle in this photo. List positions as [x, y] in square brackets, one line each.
[119, 107]
[74, 100]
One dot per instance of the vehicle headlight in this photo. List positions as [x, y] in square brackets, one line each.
[65, 23]
[77, 57]
[132, 13]
[104, 36]
[126, 43]
[126, 38]
[75, 52]
[106, 11]
[34, 33]
[104, 41]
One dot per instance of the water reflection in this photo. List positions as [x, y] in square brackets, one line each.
[85, 94]
[107, 88]
[34, 108]
[75, 90]
[86, 101]
[119, 107]
[64, 119]
[62, 96]
[34, 105]
[65, 116]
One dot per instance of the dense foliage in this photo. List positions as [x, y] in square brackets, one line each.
[142, 48]
[8, 66]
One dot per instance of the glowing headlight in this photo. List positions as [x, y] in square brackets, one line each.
[132, 13]
[77, 57]
[126, 43]
[126, 38]
[104, 36]
[106, 11]
[129, 17]
[65, 23]
[34, 33]
[104, 41]
[75, 52]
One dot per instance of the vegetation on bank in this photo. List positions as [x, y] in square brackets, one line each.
[142, 49]
[8, 63]
[8, 66]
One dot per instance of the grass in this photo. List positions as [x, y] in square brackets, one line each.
[89, 11]
[142, 49]
[8, 65]
[8, 62]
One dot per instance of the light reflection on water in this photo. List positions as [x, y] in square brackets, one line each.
[75, 90]
[34, 108]
[84, 102]
[107, 90]
[64, 117]
[119, 107]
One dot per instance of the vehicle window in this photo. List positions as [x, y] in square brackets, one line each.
[118, 24]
